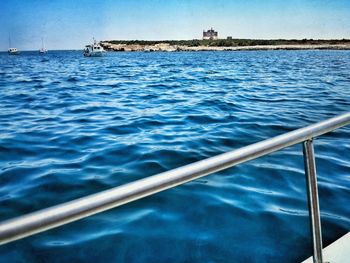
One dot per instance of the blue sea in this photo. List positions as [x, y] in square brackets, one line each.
[72, 126]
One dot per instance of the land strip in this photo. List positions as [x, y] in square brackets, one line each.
[224, 45]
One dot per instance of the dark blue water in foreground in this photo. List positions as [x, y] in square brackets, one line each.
[71, 126]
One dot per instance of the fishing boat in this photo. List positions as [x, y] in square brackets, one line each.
[42, 50]
[12, 50]
[93, 50]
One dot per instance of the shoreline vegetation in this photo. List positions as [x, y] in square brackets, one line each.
[224, 45]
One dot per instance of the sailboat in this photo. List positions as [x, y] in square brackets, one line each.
[12, 50]
[42, 50]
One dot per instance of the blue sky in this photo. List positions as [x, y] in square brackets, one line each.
[70, 24]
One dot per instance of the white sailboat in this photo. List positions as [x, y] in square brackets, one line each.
[12, 50]
[42, 50]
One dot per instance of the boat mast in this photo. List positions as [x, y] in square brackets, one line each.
[9, 41]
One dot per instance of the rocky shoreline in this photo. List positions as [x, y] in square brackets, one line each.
[165, 47]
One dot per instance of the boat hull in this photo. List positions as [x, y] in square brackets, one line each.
[93, 54]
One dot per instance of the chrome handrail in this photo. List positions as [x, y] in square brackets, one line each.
[61, 214]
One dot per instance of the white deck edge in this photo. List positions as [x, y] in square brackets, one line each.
[337, 252]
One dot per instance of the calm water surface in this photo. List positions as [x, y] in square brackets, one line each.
[71, 126]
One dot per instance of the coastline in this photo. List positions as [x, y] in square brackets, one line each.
[173, 48]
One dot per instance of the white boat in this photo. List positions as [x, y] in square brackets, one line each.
[93, 50]
[42, 50]
[12, 50]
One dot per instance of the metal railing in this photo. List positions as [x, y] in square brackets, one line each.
[55, 216]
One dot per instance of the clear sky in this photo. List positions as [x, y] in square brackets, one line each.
[70, 24]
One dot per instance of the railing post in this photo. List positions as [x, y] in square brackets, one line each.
[312, 193]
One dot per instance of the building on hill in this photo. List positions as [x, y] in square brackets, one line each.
[210, 34]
